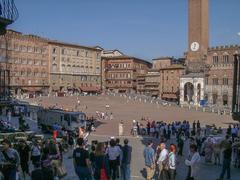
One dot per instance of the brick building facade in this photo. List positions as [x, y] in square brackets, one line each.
[161, 62]
[26, 57]
[170, 81]
[119, 74]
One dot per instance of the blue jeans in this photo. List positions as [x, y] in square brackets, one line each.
[83, 173]
[226, 167]
[126, 171]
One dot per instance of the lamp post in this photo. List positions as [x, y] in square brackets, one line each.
[236, 88]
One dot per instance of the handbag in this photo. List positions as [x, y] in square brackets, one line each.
[61, 171]
[103, 172]
[165, 163]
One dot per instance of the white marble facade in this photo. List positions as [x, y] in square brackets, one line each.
[191, 89]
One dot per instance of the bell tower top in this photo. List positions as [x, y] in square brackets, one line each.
[197, 33]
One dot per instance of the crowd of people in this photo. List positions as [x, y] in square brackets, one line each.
[101, 161]
[111, 160]
[46, 158]
[107, 160]
[162, 163]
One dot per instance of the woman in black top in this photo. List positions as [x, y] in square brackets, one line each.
[101, 162]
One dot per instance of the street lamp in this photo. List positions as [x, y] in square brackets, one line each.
[236, 88]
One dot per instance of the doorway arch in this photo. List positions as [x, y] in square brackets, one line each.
[188, 92]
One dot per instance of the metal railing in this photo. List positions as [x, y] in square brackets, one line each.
[8, 11]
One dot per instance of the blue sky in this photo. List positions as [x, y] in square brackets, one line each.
[143, 28]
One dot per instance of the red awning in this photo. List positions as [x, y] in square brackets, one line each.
[90, 89]
[32, 89]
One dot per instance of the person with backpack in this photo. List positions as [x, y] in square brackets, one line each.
[81, 161]
[9, 161]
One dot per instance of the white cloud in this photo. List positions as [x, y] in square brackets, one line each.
[238, 33]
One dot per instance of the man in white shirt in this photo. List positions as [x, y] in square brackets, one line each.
[194, 162]
[162, 161]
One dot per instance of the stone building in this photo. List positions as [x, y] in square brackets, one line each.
[152, 83]
[170, 81]
[219, 79]
[119, 74]
[161, 62]
[163, 79]
[26, 57]
[74, 67]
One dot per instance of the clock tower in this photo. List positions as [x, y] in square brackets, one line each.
[197, 35]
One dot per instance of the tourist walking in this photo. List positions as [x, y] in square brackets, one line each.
[208, 149]
[101, 162]
[46, 165]
[180, 143]
[126, 160]
[81, 161]
[172, 161]
[149, 157]
[113, 153]
[163, 162]
[9, 161]
[227, 155]
[55, 156]
[193, 163]
[24, 153]
[35, 153]
[118, 158]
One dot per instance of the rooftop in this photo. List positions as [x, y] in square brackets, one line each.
[163, 58]
[126, 57]
[71, 44]
[174, 66]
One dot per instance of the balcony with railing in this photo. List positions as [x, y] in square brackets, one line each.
[8, 14]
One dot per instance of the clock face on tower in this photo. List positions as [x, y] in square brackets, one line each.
[194, 46]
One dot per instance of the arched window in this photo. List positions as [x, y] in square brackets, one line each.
[68, 68]
[63, 67]
[225, 58]
[54, 67]
[29, 72]
[215, 58]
